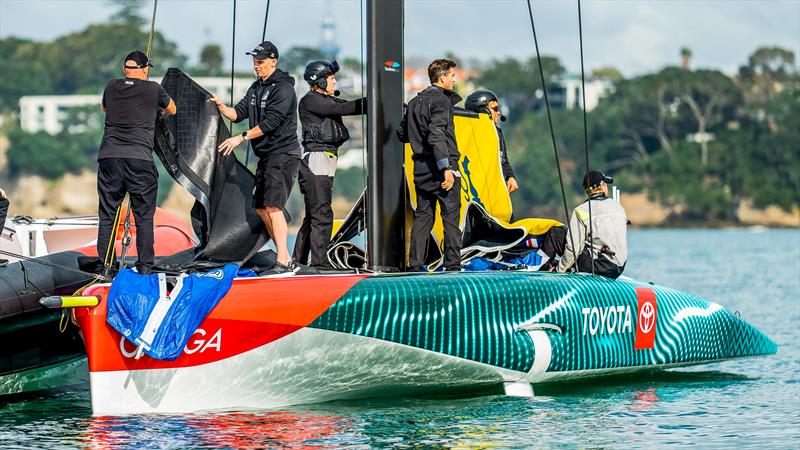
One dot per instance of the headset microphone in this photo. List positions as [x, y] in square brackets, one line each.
[503, 118]
[336, 93]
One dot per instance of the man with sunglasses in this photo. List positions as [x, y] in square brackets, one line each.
[485, 101]
[125, 160]
[320, 114]
[269, 105]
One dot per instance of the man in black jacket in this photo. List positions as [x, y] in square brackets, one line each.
[428, 125]
[320, 114]
[485, 101]
[269, 105]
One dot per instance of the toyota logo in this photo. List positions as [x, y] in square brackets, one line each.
[647, 317]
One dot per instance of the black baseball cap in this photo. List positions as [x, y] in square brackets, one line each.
[264, 50]
[593, 179]
[139, 58]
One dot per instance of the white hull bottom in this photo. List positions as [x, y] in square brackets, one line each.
[310, 366]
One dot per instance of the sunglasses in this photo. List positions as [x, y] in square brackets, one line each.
[495, 109]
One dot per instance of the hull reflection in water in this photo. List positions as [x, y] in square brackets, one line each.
[273, 342]
[234, 430]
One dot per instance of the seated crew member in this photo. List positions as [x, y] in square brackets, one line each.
[485, 101]
[125, 160]
[428, 125]
[320, 114]
[3, 214]
[608, 245]
[269, 105]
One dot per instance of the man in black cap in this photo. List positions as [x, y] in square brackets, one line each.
[125, 160]
[605, 245]
[269, 105]
[428, 125]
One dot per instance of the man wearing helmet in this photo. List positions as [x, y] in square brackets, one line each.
[427, 125]
[320, 114]
[485, 101]
[269, 105]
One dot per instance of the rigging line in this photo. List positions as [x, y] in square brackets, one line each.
[552, 132]
[264, 32]
[585, 131]
[362, 71]
[50, 264]
[233, 58]
[127, 222]
[152, 29]
[263, 38]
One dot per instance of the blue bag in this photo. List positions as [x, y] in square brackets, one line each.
[160, 324]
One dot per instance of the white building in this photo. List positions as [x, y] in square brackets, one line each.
[569, 90]
[48, 112]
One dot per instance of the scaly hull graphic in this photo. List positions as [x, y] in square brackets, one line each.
[275, 342]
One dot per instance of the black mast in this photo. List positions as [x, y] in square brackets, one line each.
[385, 153]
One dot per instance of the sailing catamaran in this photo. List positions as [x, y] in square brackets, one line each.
[276, 341]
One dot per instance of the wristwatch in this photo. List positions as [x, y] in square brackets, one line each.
[244, 135]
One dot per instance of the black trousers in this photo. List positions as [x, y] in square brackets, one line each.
[139, 178]
[315, 232]
[424, 216]
[3, 211]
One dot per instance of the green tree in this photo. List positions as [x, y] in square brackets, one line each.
[109, 43]
[22, 72]
[767, 70]
[128, 12]
[707, 97]
[607, 73]
[295, 59]
[27, 155]
[211, 59]
[519, 83]
[686, 57]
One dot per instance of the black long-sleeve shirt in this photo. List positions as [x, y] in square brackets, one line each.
[314, 109]
[270, 104]
[508, 172]
[428, 125]
[3, 211]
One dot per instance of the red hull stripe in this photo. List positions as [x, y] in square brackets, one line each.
[255, 312]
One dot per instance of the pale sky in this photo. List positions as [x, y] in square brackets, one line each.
[635, 36]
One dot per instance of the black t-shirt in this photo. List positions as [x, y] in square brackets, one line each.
[131, 107]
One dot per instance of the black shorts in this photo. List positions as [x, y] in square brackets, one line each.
[275, 177]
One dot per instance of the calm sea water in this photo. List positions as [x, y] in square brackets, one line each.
[746, 403]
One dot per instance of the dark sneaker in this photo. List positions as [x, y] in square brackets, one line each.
[143, 270]
[290, 268]
[453, 269]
